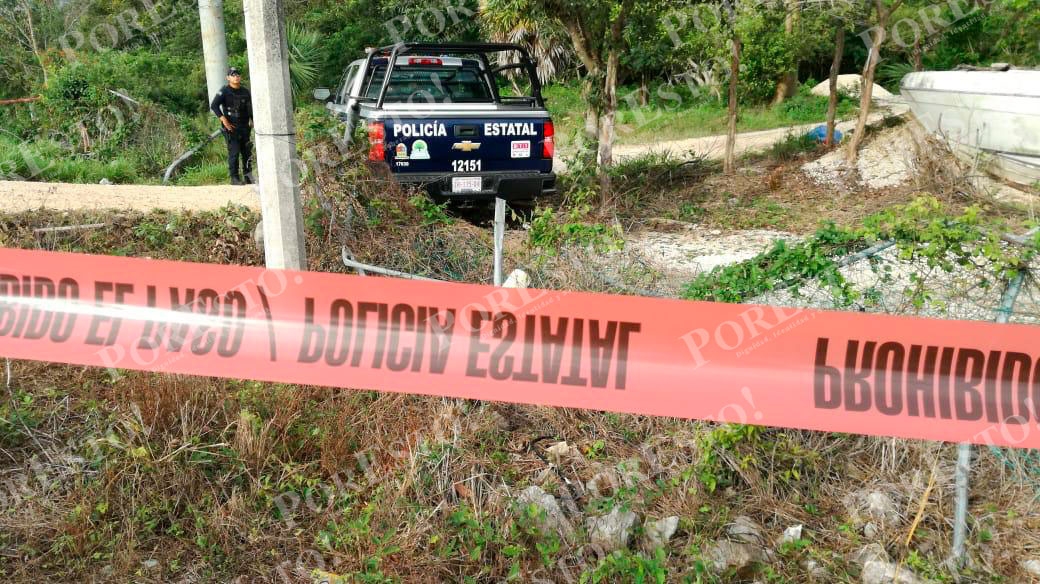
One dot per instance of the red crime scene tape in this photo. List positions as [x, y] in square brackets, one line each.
[819, 370]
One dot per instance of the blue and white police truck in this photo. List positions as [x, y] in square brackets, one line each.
[452, 117]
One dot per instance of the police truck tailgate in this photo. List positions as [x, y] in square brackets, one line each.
[454, 124]
[459, 145]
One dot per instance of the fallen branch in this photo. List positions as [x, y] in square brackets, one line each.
[19, 100]
[183, 157]
[123, 97]
[45, 230]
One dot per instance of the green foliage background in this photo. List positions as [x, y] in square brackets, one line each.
[82, 53]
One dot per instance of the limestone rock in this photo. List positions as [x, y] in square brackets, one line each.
[791, 534]
[872, 506]
[817, 572]
[612, 531]
[744, 530]
[552, 519]
[725, 554]
[657, 533]
[879, 572]
[870, 553]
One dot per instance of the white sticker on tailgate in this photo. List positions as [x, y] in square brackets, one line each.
[520, 149]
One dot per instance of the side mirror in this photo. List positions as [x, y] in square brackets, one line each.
[322, 94]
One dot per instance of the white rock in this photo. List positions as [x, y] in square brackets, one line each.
[517, 279]
[150, 564]
[880, 505]
[744, 530]
[1032, 566]
[612, 531]
[870, 553]
[104, 181]
[878, 572]
[866, 506]
[725, 554]
[553, 517]
[258, 236]
[871, 530]
[657, 533]
[815, 570]
[558, 452]
[792, 534]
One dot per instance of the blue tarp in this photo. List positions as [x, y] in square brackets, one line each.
[820, 133]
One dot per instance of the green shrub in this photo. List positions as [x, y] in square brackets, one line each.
[792, 146]
[204, 174]
[91, 171]
[767, 54]
[804, 107]
[177, 83]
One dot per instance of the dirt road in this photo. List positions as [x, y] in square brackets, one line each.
[24, 196]
[713, 147]
[16, 196]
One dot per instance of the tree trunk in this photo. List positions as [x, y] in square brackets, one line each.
[588, 141]
[832, 100]
[867, 89]
[788, 82]
[644, 92]
[19, 100]
[785, 88]
[916, 55]
[32, 40]
[606, 125]
[729, 164]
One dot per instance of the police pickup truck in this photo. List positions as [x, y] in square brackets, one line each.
[439, 115]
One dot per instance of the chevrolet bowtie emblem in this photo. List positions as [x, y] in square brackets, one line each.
[466, 146]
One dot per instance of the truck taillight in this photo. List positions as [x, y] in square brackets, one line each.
[376, 140]
[549, 144]
[425, 61]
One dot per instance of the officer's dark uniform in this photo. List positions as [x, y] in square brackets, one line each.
[237, 106]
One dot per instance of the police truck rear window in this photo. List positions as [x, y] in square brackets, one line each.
[432, 84]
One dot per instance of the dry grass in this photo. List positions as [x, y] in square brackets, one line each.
[189, 472]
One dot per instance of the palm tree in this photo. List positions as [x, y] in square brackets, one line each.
[515, 22]
[304, 57]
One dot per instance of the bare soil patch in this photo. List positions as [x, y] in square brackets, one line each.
[18, 196]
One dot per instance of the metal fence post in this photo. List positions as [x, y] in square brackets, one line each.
[963, 470]
[500, 234]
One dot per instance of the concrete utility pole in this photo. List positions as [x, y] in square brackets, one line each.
[214, 44]
[277, 174]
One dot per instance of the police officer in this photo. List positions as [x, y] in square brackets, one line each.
[234, 107]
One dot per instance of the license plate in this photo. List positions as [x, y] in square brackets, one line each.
[466, 184]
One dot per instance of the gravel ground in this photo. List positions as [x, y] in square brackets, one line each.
[678, 256]
[886, 283]
[886, 161]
